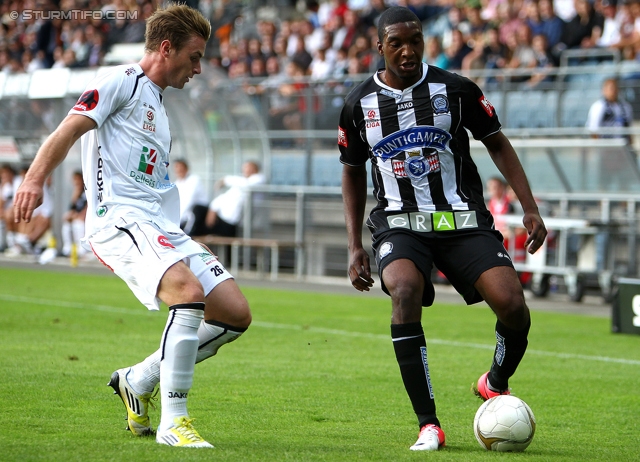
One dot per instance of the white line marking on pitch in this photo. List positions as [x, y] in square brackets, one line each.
[320, 330]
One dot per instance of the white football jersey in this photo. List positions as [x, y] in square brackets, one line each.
[125, 159]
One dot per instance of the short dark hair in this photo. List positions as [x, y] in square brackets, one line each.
[394, 15]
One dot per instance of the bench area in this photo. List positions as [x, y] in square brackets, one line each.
[219, 245]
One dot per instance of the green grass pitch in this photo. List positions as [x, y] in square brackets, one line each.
[314, 379]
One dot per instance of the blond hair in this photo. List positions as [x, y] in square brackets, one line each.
[176, 23]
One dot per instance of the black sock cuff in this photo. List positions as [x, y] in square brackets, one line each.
[426, 419]
[226, 326]
[411, 329]
[188, 306]
[509, 333]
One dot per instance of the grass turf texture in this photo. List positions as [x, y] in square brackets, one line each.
[313, 379]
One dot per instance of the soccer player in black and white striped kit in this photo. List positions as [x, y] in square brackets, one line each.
[411, 120]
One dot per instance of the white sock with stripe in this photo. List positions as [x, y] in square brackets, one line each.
[178, 349]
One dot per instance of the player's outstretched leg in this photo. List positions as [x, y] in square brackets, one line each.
[502, 291]
[510, 348]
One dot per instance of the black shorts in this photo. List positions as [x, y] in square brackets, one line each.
[461, 257]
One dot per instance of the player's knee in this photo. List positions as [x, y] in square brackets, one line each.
[192, 292]
[234, 312]
[511, 310]
[405, 293]
[243, 314]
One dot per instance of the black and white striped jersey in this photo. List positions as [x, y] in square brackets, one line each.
[417, 142]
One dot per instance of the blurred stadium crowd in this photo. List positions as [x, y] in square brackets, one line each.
[324, 38]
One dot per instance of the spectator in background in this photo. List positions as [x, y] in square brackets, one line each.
[610, 112]
[224, 213]
[370, 16]
[433, 54]
[352, 29]
[257, 68]
[9, 182]
[457, 50]
[97, 48]
[80, 46]
[543, 61]
[320, 67]
[362, 51]
[476, 24]
[301, 56]
[190, 188]
[552, 25]
[609, 35]
[73, 221]
[523, 56]
[629, 30]
[579, 32]
[494, 53]
[508, 21]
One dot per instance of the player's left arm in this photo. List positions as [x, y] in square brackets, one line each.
[506, 159]
[52, 152]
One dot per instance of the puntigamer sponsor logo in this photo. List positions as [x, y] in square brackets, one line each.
[425, 222]
[411, 138]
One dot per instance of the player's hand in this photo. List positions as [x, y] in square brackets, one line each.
[537, 232]
[360, 270]
[27, 199]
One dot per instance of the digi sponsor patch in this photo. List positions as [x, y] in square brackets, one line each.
[342, 137]
[487, 106]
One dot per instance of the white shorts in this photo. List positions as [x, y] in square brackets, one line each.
[140, 249]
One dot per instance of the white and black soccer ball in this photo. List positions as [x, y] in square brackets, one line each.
[504, 423]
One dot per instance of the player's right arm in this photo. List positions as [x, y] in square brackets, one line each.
[354, 155]
[354, 195]
[52, 152]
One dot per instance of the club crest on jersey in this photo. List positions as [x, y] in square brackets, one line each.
[149, 122]
[416, 167]
[440, 104]
[487, 106]
[385, 249]
[422, 136]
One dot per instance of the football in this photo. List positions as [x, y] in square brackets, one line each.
[504, 423]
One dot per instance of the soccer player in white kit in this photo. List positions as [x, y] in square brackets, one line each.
[132, 222]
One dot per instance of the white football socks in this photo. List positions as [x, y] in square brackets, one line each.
[145, 375]
[212, 336]
[178, 349]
